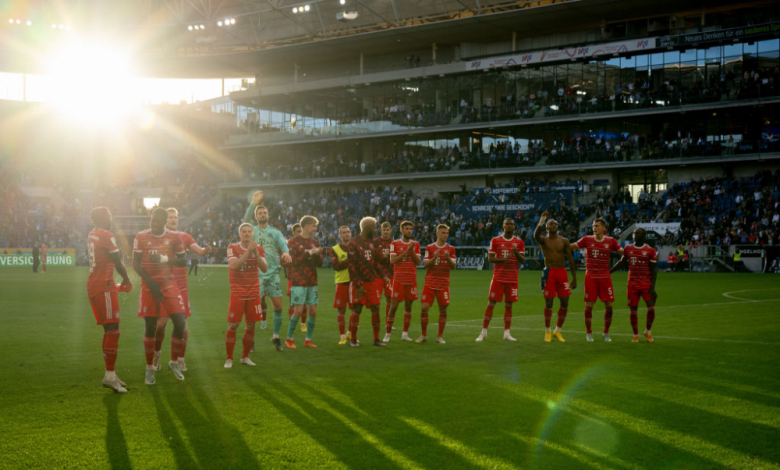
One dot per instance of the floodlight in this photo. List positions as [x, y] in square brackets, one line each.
[18, 21]
[219, 23]
[29, 23]
[11, 21]
[342, 2]
[295, 10]
[202, 27]
[189, 27]
[232, 21]
[60, 27]
[306, 8]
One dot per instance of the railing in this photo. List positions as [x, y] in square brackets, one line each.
[416, 118]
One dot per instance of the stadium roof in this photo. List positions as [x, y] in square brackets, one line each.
[268, 34]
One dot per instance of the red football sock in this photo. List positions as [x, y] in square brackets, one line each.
[176, 346]
[376, 323]
[159, 336]
[186, 340]
[110, 347]
[588, 319]
[305, 314]
[650, 316]
[488, 316]
[354, 320]
[407, 321]
[149, 349]
[442, 323]
[387, 307]
[634, 320]
[607, 319]
[248, 340]
[230, 343]
[561, 316]
[507, 316]
[424, 322]
[547, 317]
[389, 320]
[340, 318]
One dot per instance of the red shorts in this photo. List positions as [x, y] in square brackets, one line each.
[105, 306]
[442, 296]
[635, 293]
[402, 292]
[289, 287]
[185, 298]
[373, 294]
[342, 296]
[555, 283]
[171, 303]
[239, 307]
[498, 289]
[388, 289]
[598, 289]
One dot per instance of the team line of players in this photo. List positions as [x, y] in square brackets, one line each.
[365, 268]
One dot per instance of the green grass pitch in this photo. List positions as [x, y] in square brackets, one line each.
[705, 395]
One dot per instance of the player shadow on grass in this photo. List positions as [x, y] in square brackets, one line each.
[708, 426]
[116, 444]
[216, 443]
[752, 393]
[426, 450]
[170, 434]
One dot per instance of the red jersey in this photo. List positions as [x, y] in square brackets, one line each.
[168, 244]
[438, 275]
[639, 259]
[598, 253]
[405, 271]
[506, 271]
[362, 255]
[303, 271]
[44, 249]
[245, 283]
[180, 273]
[101, 269]
[384, 260]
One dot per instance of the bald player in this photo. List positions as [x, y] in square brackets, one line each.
[555, 281]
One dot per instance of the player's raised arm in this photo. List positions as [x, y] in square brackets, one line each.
[200, 251]
[249, 216]
[572, 266]
[539, 231]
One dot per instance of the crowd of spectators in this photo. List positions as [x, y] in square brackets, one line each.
[549, 101]
[725, 211]
[572, 149]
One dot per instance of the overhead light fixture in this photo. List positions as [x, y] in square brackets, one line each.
[189, 27]
[202, 27]
[60, 27]
[342, 2]
[306, 7]
[29, 23]
[232, 21]
[295, 9]
[53, 26]
[11, 21]
[219, 23]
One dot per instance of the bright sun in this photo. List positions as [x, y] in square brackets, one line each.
[94, 83]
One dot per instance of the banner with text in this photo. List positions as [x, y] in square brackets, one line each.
[660, 228]
[480, 210]
[22, 257]
[718, 35]
[552, 55]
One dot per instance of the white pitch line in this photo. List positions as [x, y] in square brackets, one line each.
[728, 294]
[654, 336]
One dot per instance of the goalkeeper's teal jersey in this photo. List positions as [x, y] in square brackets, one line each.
[272, 241]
